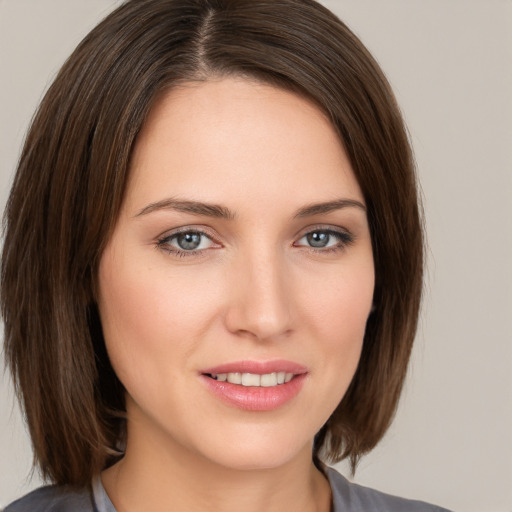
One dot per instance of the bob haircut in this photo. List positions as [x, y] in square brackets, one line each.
[73, 172]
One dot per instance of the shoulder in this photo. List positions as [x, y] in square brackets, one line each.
[54, 499]
[348, 496]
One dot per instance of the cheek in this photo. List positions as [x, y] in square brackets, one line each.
[340, 303]
[148, 316]
[338, 313]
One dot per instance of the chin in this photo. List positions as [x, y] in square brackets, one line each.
[258, 452]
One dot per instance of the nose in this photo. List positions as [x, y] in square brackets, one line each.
[260, 298]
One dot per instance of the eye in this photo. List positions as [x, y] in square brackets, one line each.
[185, 243]
[328, 239]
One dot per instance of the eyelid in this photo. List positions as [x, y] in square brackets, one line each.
[162, 241]
[344, 236]
[204, 230]
[323, 227]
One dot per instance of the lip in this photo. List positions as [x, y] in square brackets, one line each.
[256, 398]
[258, 367]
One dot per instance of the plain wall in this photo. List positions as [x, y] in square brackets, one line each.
[450, 63]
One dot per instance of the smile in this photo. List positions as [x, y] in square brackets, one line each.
[266, 380]
[256, 385]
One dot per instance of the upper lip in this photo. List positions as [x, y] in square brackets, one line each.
[257, 367]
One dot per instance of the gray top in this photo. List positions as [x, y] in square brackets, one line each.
[347, 497]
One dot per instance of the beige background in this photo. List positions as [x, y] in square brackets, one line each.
[450, 62]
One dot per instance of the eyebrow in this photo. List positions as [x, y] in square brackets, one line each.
[219, 211]
[193, 207]
[329, 206]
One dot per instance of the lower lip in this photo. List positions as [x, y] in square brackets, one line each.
[255, 398]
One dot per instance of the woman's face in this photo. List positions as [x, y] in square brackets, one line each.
[241, 253]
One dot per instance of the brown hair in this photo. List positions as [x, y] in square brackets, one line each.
[70, 183]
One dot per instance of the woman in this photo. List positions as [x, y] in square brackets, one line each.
[213, 262]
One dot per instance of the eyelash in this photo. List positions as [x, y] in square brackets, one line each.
[344, 239]
[163, 243]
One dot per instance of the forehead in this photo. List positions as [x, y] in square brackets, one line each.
[236, 137]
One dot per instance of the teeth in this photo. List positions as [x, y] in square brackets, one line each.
[269, 379]
[254, 380]
[234, 378]
[251, 379]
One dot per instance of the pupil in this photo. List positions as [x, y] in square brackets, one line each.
[189, 241]
[318, 239]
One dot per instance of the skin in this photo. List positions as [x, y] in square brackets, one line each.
[255, 290]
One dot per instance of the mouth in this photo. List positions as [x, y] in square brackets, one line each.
[266, 380]
[256, 386]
